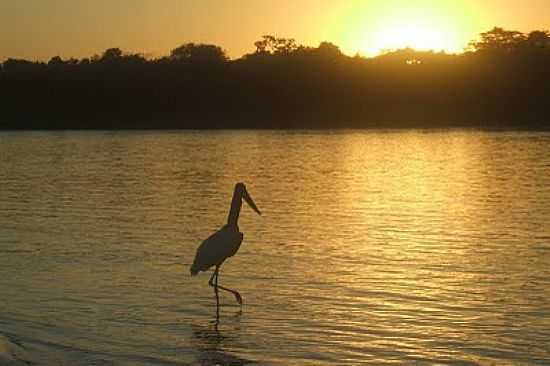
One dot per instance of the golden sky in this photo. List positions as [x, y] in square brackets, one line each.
[40, 29]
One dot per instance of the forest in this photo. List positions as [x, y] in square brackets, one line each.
[501, 81]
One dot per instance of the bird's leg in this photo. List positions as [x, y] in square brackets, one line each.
[215, 285]
[238, 296]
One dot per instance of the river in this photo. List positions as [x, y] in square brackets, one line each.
[374, 247]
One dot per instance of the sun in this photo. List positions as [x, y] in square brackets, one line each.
[413, 34]
[376, 27]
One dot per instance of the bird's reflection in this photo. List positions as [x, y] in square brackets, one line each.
[210, 340]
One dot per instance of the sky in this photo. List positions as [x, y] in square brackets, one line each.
[41, 29]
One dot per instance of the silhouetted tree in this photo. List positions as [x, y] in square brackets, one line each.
[273, 45]
[112, 54]
[21, 66]
[498, 40]
[503, 81]
[56, 61]
[539, 39]
[328, 51]
[199, 53]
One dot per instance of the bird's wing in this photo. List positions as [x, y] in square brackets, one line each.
[213, 251]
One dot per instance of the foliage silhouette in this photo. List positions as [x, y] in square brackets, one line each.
[199, 53]
[272, 45]
[498, 40]
[502, 81]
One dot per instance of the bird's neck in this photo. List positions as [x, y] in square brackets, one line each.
[235, 210]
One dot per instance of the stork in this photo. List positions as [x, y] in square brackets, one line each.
[224, 243]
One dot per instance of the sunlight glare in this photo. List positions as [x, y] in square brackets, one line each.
[419, 36]
[377, 27]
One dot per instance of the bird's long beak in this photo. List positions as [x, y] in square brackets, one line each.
[250, 202]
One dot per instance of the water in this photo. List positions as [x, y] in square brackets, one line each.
[374, 247]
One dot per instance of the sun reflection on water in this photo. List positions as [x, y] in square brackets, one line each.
[374, 246]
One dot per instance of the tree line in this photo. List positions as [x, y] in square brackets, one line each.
[501, 81]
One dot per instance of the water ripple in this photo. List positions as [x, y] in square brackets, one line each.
[375, 247]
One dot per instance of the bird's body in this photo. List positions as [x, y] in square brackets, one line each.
[224, 243]
[219, 246]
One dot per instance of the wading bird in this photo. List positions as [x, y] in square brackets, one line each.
[224, 243]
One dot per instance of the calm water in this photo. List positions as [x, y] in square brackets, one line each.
[374, 247]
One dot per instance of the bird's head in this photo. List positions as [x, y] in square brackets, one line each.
[240, 188]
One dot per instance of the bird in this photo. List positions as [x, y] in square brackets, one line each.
[224, 243]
